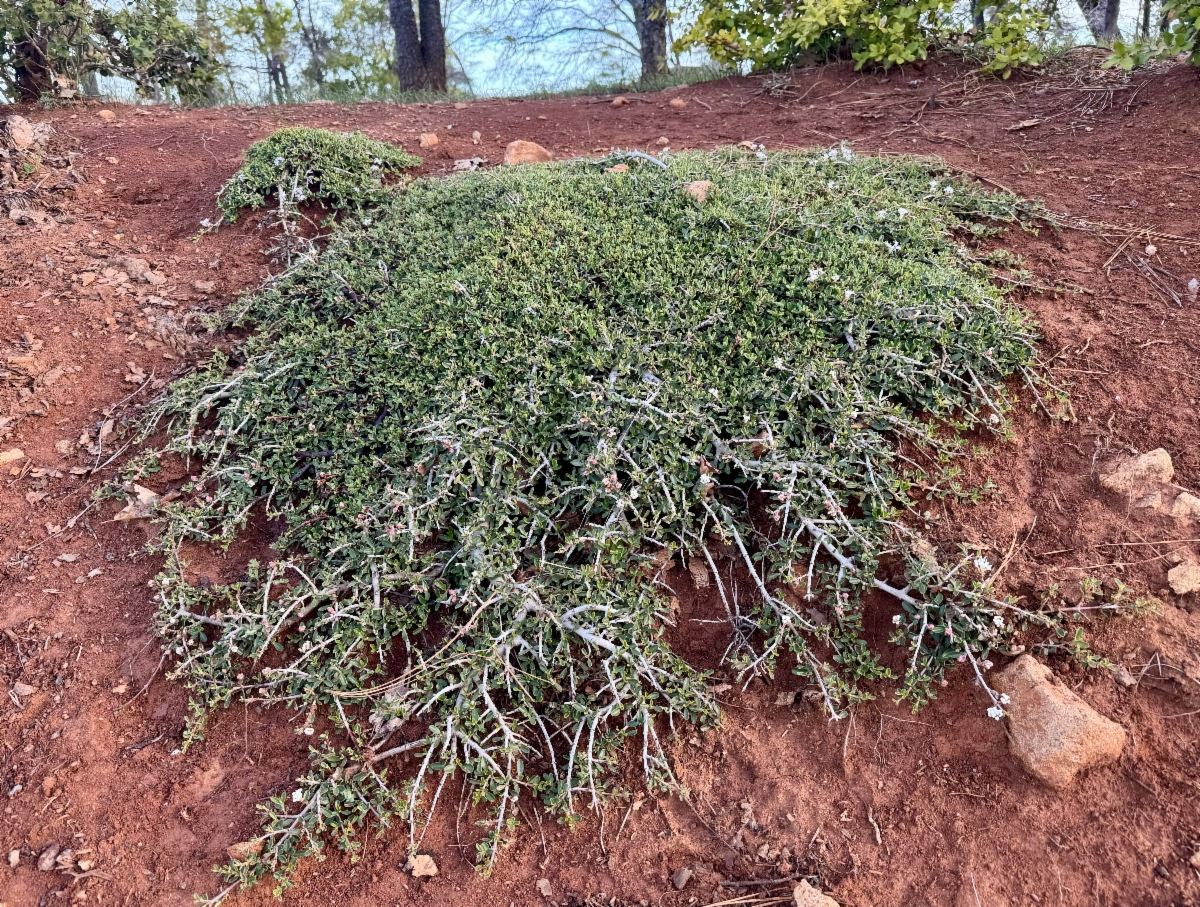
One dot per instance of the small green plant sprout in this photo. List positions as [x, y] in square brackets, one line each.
[1111, 597]
[480, 414]
[342, 171]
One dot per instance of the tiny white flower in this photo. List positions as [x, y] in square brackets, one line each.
[933, 184]
[901, 211]
[814, 274]
[849, 294]
[949, 190]
[278, 162]
[308, 731]
[998, 620]
[1004, 700]
[896, 620]
[982, 564]
[298, 795]
[995, 712]
[881, 215]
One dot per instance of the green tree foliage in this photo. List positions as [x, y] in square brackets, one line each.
[270, 26]
[776, 34]
[1179, 35]
[50, 46]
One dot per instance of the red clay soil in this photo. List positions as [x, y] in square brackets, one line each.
[887, 808]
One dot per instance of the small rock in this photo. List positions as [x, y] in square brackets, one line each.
[243, 850]
[107, 115]
[698, 189]
[64, 448]
[678, 102]
[23, 689]
[14, 858]
[682, 876]
[1152, 501]
[620, 101]
[804, 895]
[154, 278]
[617, 168]
[1186, 507]
[18, 132]
[1184, 579]
[544, 888]
[522, 152]
[429, 140]
[48, 785]
[46, 861]
[11, 455]
[663, 141]
[459, 105]
[65, 860]
[475, 137]
[1052, 732]
[421, 866]
[134, 267]
[1193, 861]
[1140, 474]
[204, 286]
[1124, 678]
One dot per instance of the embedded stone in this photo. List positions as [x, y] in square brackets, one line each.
[522, 152]
[1053, 733]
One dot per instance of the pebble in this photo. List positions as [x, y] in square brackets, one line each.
[429, 140]
[14, 858]
[682, 876]
[678, 102]
[698, 189]
[544, 888]
[1053, 733]
[23, 689]
[107, 115]
[620, 101]
[46, 861]
[11, 455]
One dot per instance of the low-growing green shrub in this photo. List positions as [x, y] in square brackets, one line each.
[344, 171]
[487, 418]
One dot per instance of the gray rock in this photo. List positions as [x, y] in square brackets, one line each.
[1052, 732]
[682, 876]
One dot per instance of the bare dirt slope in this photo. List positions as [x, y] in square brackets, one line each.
[887, 808]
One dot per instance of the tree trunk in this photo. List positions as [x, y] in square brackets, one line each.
[409, 65]
[433, 44]
[1101, 17]
[33, 77]
[650, 21]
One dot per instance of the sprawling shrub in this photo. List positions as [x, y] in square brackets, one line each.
[486, 419]
[343, 171]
